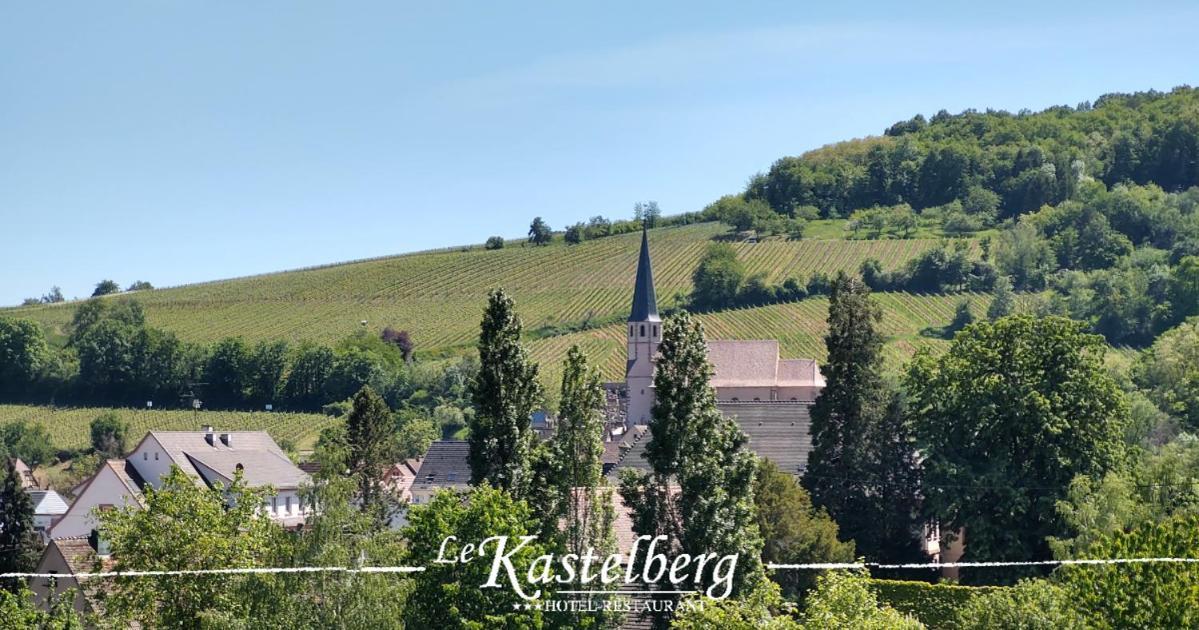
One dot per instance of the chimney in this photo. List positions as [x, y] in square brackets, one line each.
[208, 435]
[227, 439]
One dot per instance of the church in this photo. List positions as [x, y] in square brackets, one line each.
[769, 396]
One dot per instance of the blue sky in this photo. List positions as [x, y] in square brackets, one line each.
[177, 142]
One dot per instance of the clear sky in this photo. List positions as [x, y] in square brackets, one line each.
[175, 141]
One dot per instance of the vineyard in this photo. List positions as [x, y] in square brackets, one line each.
[69, 427]
[439, 296]
[798, 326]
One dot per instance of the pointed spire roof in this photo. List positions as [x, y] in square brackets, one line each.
[645, 301]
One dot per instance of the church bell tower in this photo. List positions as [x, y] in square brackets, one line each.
[644, 335]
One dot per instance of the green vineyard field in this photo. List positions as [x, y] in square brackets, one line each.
[69, 427]
[439, 296]
[798, 326]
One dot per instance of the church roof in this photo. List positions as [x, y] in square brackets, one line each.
[757, 364]
[645, 301]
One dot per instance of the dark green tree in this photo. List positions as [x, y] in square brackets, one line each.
[699, 492]
[226, 373]
[23, 353]
[19, 543]
[506, 392]
[540, 232]
[371, 441]
[861, 468]
[109, 434]
[718, 278]
[106, 287]
[1005, 420]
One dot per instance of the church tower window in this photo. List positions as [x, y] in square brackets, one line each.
[643, 330]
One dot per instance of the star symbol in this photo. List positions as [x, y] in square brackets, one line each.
[515, 606]
[528, 606]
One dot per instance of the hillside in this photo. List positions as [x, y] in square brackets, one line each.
[68, 427]
[439, 296]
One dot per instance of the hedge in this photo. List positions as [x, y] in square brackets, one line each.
[935, 605]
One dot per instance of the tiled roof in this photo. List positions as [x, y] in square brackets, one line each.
[800, 373]
[445, 464]
[259, 467]
[778, 431]
[79, 555]
[744, 363]
[128, 476]
[47, 502]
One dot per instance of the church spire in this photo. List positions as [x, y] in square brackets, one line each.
[645, 302]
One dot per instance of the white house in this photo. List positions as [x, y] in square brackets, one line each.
[48, 507]
[207, 456]
[115, 485]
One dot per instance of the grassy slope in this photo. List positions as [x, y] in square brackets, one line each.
[439, 296]
[68, 427]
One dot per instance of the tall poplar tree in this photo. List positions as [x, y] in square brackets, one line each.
[505, 393]
[19, 545]
[700, 492]
[586, 509]
[370, 442]
[862, 465]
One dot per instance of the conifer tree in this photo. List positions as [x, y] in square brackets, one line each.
[19, 545]
[862, 460]
[700, 490]
[505, 393]
[585, 498]
[370, 441]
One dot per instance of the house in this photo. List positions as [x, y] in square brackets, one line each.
[209, 457]
[68, 557]
[399, 477]
[445, 466]
[115, 485]
[214, 458]
[48, 508]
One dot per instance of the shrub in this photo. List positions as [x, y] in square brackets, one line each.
[494, 242]
[935, 605]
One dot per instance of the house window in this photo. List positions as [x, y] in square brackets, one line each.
[630, 330]
[756, 399]
[155, 455]
[274, 504]
[735, 399]
[655, 330]
[288, 509]
[145, 456]
[643, 330]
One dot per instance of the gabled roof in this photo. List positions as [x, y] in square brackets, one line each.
[24, 473]
[78, 554]
[756, 363]
[645, 301]
[47, 502]
[212, 459]
[445, 465]
[259, 468]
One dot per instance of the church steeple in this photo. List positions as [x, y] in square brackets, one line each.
[645, 301]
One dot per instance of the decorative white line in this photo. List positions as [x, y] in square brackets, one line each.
[943, 565]
[624, 592]
[235, 571]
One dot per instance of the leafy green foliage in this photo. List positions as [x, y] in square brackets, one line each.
[1029, 605]
[187, 526]
[935, 605]
[23, 354]
[106, 287]
[449, 595]
[1169, 372]
[844, 599]
[28, 441]
[762, 608]
[539, 232]
[1139, 595]
[1005, 420]
[793, 531]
